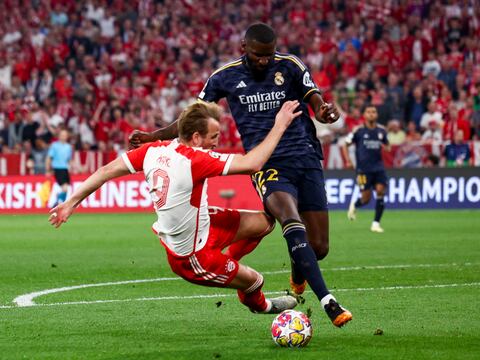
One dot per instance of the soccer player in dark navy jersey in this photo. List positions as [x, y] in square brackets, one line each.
[291, 184]
[369, 139]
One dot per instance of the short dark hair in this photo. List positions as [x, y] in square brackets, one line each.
[261, 32]
[368, 105]
[195, 118]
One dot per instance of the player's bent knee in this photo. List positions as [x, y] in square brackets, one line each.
[321, 251]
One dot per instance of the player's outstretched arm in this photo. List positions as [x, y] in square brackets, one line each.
[137, 138]
[346, 155]
[257, 157]
[114, 169]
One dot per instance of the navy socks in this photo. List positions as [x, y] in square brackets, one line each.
[303, 257]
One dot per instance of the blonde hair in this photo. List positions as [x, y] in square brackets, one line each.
[195, 119]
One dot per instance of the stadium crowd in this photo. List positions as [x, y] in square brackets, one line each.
[102, 68]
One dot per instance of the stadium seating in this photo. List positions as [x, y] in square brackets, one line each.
[104, 68]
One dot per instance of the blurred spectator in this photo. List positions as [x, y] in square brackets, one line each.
[432, 65]
[431, 115]
[433, 133]
[38, 156]
[431, 161]
[454, 121]
[15, 130]
[396, 97]
[5, 74]
[412, 133]
[448, 74]
[150, 58]
[395, 134]
[457, 154]
[30, 127]
[415, 106]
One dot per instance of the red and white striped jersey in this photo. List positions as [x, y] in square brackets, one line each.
[177, 180]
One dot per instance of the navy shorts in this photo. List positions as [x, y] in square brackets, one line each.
[305, 184]
[61, 176]
[367, 180]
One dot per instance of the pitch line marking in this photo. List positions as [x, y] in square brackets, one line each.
[384, 288]
[27, 299]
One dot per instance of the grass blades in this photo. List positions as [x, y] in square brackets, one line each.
[414, 292]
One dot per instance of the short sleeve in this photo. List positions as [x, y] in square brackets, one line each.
[134, 158]
[70, 153]
[213, 89]
[207, 164]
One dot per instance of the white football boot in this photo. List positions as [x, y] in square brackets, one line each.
[376, 227]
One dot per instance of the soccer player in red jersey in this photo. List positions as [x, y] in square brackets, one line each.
[194, 235]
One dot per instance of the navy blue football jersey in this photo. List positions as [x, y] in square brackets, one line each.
[368, 147]
[255, 102]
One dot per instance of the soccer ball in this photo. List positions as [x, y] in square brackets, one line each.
[291, 328]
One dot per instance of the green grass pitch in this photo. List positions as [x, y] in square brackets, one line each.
[419, 283]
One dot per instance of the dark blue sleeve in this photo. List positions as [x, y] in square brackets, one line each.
[384, 138]
[213, 89]
[303, 80]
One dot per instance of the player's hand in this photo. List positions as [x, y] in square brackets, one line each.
[348, 165]
[137, 138]
[328, 113]
[286, 114]
[60, 214]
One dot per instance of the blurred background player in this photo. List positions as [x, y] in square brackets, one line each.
[369, 139]
[59, 159]
[291, 184]
[176, 172]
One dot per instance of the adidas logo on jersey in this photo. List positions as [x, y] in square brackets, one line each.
[241, 84]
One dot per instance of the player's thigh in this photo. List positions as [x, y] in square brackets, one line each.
[245, 278]
[277, 188]
[366, 195]
[224, 226]
[366, 182]
[380, 189]
[253, 224]
[283, 206]
[312, 196]
[317, 227]
[207, 267]
[381, 183]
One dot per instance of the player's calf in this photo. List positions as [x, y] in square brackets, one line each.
[253, 297]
